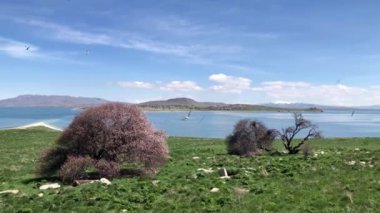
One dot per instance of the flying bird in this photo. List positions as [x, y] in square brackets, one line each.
[352, 113]
[27, 48]
[88, 52]
[188, 116]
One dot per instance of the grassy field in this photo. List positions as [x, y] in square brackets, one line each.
[343, 177]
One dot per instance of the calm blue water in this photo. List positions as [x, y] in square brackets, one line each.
[364, 123]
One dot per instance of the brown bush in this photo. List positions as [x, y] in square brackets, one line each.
[75, 168]
[108, 169]
[250, 138]
[110, 134]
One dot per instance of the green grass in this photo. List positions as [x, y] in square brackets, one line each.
[276, 183]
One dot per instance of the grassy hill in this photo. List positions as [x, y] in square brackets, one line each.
[190, 104]
[326, 183]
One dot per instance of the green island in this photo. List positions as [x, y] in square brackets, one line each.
[342, 176]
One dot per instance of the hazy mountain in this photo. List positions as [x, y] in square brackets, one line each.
[307, 106]
[50, 101]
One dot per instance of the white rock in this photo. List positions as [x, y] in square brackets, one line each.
[50, 186]
[357, 149]
[124, 210]
[362, 163]
[209, 170]
[351, 162]
[225, 177]
[214, 190]
[40, 194]
[105, 181]
[322, 152]
[155, 182]
[196, 158]
[12, 191]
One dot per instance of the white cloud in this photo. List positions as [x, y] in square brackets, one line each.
[184, 86]
[320, 94]
[174, 86]
[229, 84]
[135, 84]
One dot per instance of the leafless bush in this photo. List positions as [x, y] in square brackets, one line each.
[288, 134]
[110, 134]
[307, 150]
[250, 138]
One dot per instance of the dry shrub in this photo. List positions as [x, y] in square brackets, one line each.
[110, 135]
[51, 161]
[307, 150]
[250, 138]
[75, 168]
[108, 169]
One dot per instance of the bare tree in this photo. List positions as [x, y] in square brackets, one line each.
[300, 124]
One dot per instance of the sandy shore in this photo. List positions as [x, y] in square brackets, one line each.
[38, 124]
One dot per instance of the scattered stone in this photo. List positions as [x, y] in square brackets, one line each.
[11, 191]
[225, 177]
[370, 166]
[351, 162]
[209, 170]
[223, 172]
[196, 158]
[241, 191]
[155, 182]
[264, 172]
[357, 149]
[50, 186]
[214, 190]
[40, 194]
[362, 163]
[322, 152]
[80, 182]
[124, 210]
[105, 181]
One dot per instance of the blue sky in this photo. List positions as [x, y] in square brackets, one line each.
[324, 52]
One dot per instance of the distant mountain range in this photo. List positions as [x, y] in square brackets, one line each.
[170, 104]
[50, 101]
[323, 107]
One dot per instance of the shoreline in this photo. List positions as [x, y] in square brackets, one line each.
[32, 125]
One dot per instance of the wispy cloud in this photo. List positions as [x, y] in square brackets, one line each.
[65, 33]
[214, 55]
[17, 49]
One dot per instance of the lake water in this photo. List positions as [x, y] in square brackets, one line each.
[364, 123]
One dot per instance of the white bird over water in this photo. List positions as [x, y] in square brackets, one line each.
[188, 116]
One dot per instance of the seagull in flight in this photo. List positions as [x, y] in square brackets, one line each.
[27, 48]
[188, 116]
